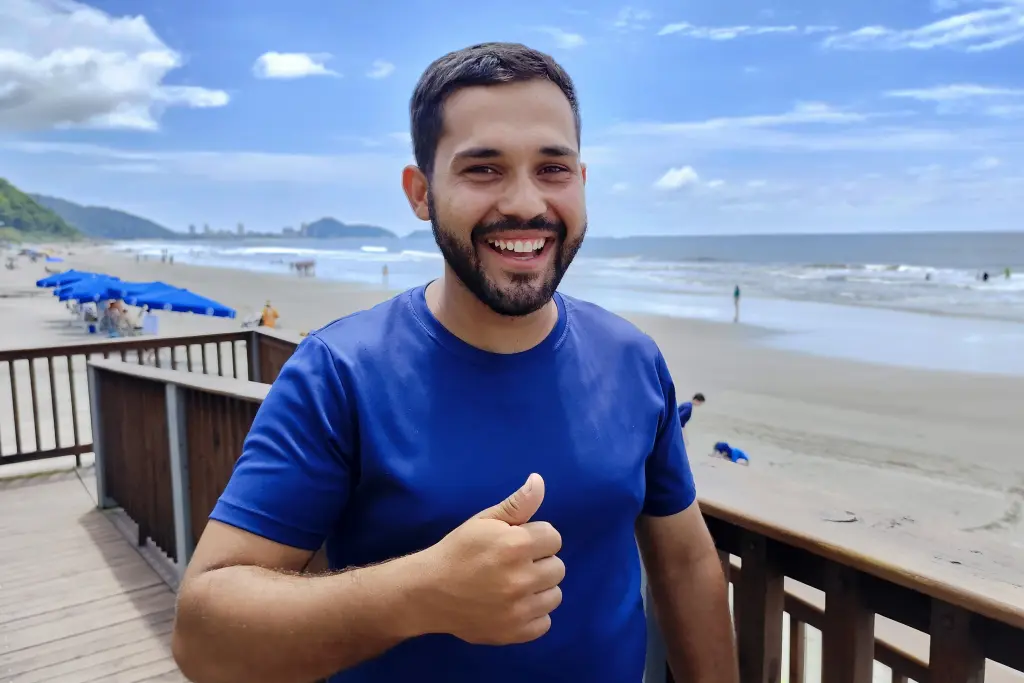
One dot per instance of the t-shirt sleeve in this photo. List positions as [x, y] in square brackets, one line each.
[685, 411]
[295, 473]
[670, 487]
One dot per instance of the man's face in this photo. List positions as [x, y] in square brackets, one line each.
[506, 198]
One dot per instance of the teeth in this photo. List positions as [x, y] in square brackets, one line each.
[519, 246]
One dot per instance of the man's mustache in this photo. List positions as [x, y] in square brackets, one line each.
[540, 223]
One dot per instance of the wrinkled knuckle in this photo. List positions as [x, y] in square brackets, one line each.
[559, 569]
[516, 587]
[556, 597]
[515, 543]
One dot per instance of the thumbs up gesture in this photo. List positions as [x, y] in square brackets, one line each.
[498, 574]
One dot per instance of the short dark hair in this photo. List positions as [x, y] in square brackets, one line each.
[698, 397]
[482, 64]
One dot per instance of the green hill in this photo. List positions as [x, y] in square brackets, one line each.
[331, 227]
[102, 223]
[21, 218]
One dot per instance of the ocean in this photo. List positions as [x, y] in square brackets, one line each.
[914, 299]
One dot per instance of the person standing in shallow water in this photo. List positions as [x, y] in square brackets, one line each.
[482, 455]
[736, 304]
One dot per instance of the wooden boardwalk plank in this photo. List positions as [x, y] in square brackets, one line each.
[78, 603]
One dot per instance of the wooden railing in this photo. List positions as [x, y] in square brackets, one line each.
[45, 402]
[934, 608]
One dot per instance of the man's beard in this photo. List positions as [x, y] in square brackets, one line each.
[528, 292]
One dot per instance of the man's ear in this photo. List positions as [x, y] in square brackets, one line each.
[583, 172]
[415, 186]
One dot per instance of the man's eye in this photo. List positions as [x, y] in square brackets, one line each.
[481, 169]
[554, 169]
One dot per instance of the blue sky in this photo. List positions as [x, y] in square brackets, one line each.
[699, 117]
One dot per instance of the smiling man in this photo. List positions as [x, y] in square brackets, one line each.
[482, 455]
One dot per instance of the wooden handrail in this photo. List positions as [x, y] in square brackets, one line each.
[962, 590]
[121, 343]
[213, 384]
[52, 379]
[968, 571]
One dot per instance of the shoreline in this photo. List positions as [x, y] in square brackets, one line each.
[894, 335]
[941, 441]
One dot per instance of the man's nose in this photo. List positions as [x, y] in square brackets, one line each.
[522, 199]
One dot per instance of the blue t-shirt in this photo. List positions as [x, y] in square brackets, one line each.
[685, 411]
[384, 432]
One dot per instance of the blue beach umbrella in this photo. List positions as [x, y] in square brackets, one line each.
[128, 290]
[181, 301]
[67, 277]
[87, 289]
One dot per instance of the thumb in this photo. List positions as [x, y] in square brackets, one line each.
[520, 506]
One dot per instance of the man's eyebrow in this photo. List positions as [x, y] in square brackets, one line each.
[556, 151]
[478, 153]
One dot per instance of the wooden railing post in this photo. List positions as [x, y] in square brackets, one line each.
[759, 599]
[99, 466]
[252, 345]
[848, 637]
[177, 433]
[957, 651]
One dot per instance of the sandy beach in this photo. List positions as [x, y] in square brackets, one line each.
[923, 451]
[945, 445]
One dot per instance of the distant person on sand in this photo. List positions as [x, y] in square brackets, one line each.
[736, 304]
[269, 317]
[417, 439]
[686, 412]
[730, 453]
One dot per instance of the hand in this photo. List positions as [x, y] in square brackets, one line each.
[496, 576]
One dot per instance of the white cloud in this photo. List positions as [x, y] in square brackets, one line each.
[987, 163]
[64, 64]
[632, 19]
[1006, 111]
[564, 39]
[957, 91]
[732, 32]
[677, 178]
[619, 188]
[358, 169]
[380, 69]
[289, 65]
[802, 113]
[979, 30]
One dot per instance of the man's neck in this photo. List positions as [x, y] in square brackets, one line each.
[469, 319]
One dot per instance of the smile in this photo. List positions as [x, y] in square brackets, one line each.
[521, 249]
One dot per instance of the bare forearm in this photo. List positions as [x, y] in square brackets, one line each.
[260, 626]
[692, 606]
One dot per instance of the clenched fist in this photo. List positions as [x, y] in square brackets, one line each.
[498, 573]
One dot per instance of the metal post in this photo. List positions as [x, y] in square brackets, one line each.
[656, 664]
[177, 431]
[103, 501]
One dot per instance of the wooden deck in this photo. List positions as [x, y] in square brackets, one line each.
[78, 602]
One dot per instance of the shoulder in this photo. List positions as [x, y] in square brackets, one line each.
[362, 333]
[617, 334]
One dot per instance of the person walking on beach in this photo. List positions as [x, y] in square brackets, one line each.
[736, 304]
[482, 455]
[686, 412]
